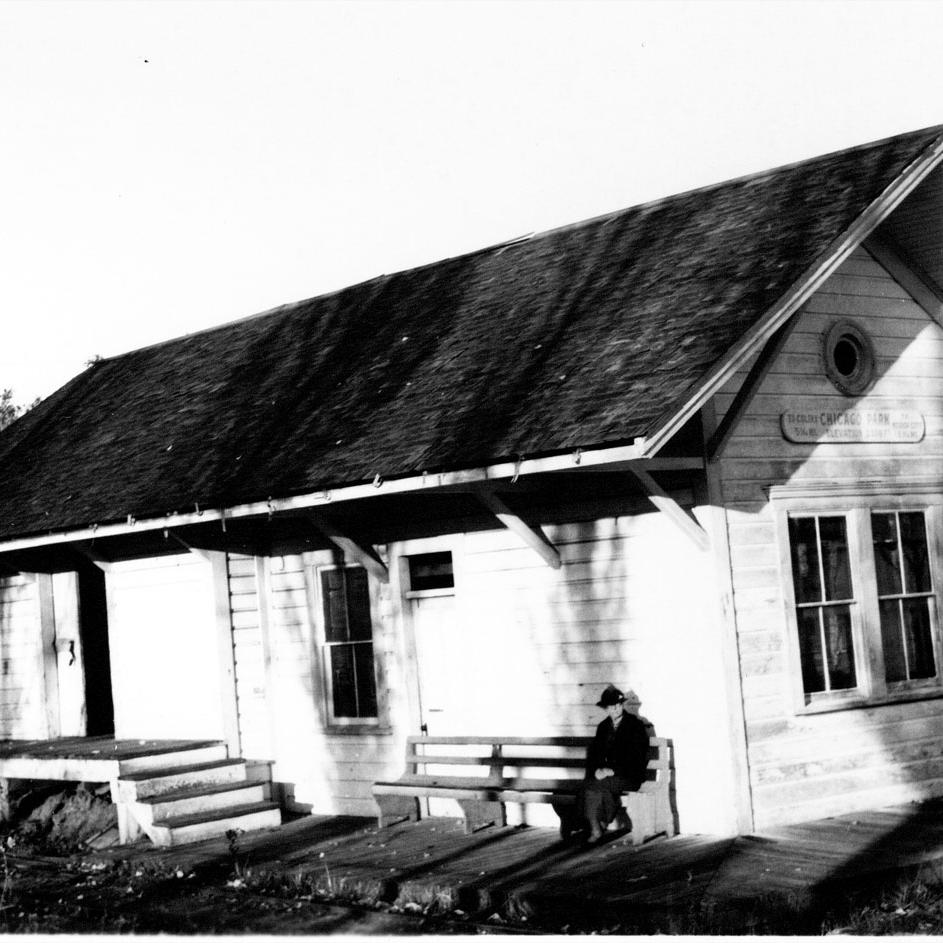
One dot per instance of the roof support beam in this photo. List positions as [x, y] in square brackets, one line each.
[533, 538]
[365, 556]
[659, 463]
[96, 556]
[748, 388]
[206, 555]
[921, 286]
[667, 505]
[8, 569]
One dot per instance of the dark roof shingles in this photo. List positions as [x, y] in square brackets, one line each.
[582, 336]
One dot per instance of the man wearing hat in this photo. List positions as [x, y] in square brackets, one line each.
[615, 762]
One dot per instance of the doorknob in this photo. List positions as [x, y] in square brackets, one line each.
[424, 728]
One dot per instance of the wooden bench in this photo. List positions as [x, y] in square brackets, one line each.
[483, 774]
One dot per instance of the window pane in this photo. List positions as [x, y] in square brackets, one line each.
[335, 606]
[895, 667]
[886, 557]
[835, 558]
[810, 649]
[841, 654]
[366, 683]
[343, 681]
[358, 605]
[917, 632]
[913, 536]
[431, 571]
[805, 559]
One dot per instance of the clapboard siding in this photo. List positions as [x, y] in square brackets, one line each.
[324, 769]
[541, 645]
[612, 613]
[21, 662]
[810, 765]
[248, 658]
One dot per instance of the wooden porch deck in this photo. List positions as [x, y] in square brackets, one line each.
[529, 870]
[81, 759]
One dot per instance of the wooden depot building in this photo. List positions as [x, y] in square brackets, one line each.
[693, 448]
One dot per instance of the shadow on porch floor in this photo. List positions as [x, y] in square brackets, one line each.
[530, 871]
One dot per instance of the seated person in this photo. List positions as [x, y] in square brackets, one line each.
[615, 763]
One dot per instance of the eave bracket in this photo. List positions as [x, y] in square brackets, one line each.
[533, 538]
[667, 505]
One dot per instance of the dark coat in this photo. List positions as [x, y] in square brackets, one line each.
[623, 750]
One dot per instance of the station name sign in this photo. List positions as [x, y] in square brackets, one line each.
[862, 424]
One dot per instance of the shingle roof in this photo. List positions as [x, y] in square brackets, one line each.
[579, 337]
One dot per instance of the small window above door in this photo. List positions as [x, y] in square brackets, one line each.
[431, 574]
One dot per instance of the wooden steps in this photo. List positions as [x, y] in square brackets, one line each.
[174, 801]
[182, 829]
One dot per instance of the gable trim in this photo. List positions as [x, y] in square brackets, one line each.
[908, 275]
[800, 292]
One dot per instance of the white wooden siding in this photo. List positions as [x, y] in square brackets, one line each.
[22, 707]
[633, 604]
[255, 724]
[806, 766]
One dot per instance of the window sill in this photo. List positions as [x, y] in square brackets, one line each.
[858, 701]
[357, 730]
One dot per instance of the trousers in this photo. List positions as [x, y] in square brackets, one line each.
[598, 799]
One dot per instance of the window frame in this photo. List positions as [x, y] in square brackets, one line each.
[324, 646]
[872, 687]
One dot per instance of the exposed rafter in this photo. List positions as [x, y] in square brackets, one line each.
[921, 286]
[533, 538]
[96, 556]
[203, 554]
[667, 505]
[364, 555]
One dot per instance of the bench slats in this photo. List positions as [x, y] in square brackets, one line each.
[483, 797]
[509, 741]
[481, 782]
[564, 762]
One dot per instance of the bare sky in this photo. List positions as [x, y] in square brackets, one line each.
[169, 166]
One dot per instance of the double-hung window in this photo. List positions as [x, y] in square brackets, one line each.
[863, 605]
[905, 594]
[824, 599]
[348, 645]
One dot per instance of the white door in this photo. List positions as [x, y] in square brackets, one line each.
[443, 694]
[70, 672]
[164, 652]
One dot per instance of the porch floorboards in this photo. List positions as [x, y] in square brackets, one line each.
[77, 759]
[435, 860]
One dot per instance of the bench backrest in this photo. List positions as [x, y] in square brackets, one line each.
[561, 759]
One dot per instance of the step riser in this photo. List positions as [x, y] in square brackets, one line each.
[165, 837]
[148, 813]
[129, 791]
[157, 761]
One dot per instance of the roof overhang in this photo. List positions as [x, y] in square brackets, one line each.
[626, 457]
[796, 296]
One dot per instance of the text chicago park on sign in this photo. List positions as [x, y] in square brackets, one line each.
[852, 425]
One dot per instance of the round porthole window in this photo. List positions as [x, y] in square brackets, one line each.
[849, 358]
